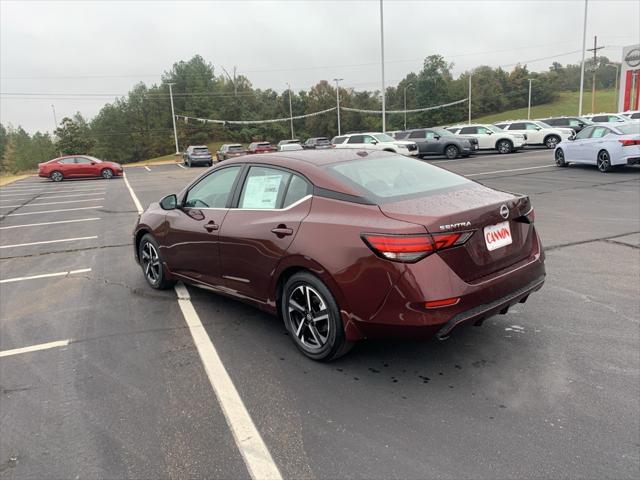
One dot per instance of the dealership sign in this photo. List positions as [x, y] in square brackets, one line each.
[632, 58]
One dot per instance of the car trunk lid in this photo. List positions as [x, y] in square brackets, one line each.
[473, 207]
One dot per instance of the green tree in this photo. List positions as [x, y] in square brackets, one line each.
[74, 136]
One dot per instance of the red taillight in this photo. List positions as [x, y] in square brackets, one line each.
[411, 248]
[629, 142]
[447, 302]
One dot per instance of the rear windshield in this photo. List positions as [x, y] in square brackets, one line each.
[322, 140]
[394, 177]
[203, 150]
[236, 148]
[337, 140]
[263, 144]
[630, 128]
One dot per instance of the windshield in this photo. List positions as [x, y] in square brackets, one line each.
[383, 137]
[630, 128]
[494, 129]
[391, 177]
[543, 125]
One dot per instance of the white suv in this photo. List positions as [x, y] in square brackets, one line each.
[614, 118]
[491, 137]
[375, 141]
[538, 133]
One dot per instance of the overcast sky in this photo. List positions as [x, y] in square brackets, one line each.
[105, 47]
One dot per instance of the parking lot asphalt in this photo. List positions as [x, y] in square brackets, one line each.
[550, 390]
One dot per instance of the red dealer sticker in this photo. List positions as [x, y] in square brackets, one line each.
[497, 236]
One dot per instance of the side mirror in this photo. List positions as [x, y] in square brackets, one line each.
[92, 162]
[581, 124]
[170, 202]
[489, 132]
[538, 128]
[437, 137]
[374, 142]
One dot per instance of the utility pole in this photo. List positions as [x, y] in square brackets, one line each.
[593, 78]
[235, 85]
[616, 84]
[469, 98]
[584, 45]
[338, 100]
[529, 107]
[384, 107]
[405, 104]
[290, 111]
[173, 117]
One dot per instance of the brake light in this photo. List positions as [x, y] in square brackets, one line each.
[447, 302]
[411, 248]
[629, 142]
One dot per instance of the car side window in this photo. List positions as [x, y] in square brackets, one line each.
[298, 189]
[482, 130]
[356, 139]
[213, 190]
[531, 126]
[518, 126]
[83, 161]
[67, 161]
[417, 134]
[429, 135]
[599, 132]
[468, 130]
[586, 133]
[263, 188]
[368, 139]
[573, 123]
[600, 118]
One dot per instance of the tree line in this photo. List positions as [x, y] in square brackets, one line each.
[139, 126]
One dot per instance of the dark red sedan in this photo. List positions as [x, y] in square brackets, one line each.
[345, 245]
[75, 166]
[261, 147]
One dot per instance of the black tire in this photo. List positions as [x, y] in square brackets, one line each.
[451, 152]
[210, 164]
[551, 141]
[504, 146]
[603, 161]
[189, 162]
[154, 274]
[106, 173]
[56, 176]
[303, 300]
[559, 157]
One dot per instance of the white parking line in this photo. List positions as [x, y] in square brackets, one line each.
[38, 192]
[132, 193]
[49, 241]
[147, 168]
[35, 348]
[54, 211]
[505, 171]
[97, 192]
[53, 203]
[181, 166]
[45, 275]
[254, 451]
[51, 223]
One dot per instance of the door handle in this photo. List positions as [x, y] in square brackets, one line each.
[282, 231]
[211, 226]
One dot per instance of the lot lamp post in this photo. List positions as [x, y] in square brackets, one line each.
[290, 110]
[405, 103]
[616, 83]
[529, 105]
[338, 100]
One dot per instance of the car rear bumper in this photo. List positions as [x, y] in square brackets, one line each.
[403, 314]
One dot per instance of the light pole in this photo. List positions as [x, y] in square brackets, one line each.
[529, 107]
[405, 103]
[384, 113]
[290, 110]
[338, 100]
[469, 98]
[616, 84]
[173, 118]
[55, 120]
[584, 46]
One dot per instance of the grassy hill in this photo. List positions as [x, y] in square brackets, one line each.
[566, 104]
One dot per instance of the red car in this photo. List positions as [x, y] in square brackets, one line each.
[261, 147]
[346, 245]
[75, 166]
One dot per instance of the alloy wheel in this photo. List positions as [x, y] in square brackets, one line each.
[551, 142]
[151, 263]
[308, 317]
[451, 152]
[56, 176]
[107, 173]
[604, 162]
[560, 162]
[504, 147]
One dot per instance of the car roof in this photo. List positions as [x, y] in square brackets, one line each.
[310, 163]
